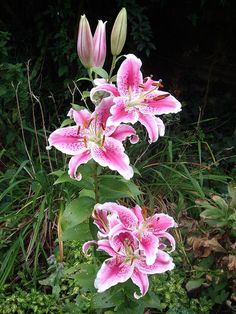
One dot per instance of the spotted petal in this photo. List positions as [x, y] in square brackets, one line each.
[149, 244]
[155, 127]
[160, 102]
[99, 91]
[102, 111]
[67, 140]
[120, 113]
[76, 161]
[129, 76]
[81, 117]
[141, 280]
[126, 215]
[162, 264]
[123, 131]
[160, 223]
[112, 155]
[112, 272]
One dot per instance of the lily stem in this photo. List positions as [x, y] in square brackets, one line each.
[113, 64]
[90, 76]
[96, 189]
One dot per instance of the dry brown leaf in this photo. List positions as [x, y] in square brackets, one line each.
[204, 246]
[230, 262]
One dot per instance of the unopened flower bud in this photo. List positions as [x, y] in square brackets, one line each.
[119, 32]
[85, 43]
[99, 45]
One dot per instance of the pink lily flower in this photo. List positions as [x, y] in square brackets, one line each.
[136, 99]
[127, 262]
[148, 232]
[91, 138]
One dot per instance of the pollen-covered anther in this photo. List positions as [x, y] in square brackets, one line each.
[103, 140]
[103, 126]
[90, 121]
[160, 97]
[85, 142]
[158, 84]
[78, 130]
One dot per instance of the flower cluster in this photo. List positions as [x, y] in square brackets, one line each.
[99, 135]
[134, 243]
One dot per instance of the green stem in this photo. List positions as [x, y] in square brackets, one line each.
[96, 189]
[90, 76]
[113, 64]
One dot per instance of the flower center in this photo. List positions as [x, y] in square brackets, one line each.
[92, 131]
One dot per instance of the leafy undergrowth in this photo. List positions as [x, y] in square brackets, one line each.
[43, 269]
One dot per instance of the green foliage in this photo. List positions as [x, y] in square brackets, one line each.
[23, 302]
[218, 211]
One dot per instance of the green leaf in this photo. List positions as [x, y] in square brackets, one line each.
[101, 72]
[212, 214]
[77, 107]
[194, 284]
[86, 94]
[102, 300]
[220, 202]
[88, 193]
[77, 211]
[151, 300]
[86, 276]
[85, 182]
[67, 122]
[80, 232]
[112, 188]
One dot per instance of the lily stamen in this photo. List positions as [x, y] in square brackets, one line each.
[85, 142]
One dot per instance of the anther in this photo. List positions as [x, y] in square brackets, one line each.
[90, 121]
[160, 97]
[103, 140]
[85, 141]
[78, 130]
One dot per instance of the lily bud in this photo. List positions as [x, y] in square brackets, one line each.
[119, 32]
[85, 43]
[99, 45]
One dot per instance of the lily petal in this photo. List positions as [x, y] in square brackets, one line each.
[102, 111]
[126, 215]
[169, 237]
[153, 105]
[122, 239]
[67, 140]
[81, 117]
[104, 245]
[95, 92]
[160, 223]
[86, 246]
[149, 244]
[112, 272]
[141, 280]
[129, 76]
[162, 264]
[120, 113]
[112, 155]
[137, 210]
[155, 127]
[123, 131]
[76, 161]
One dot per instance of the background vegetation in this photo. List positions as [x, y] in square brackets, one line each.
[190, 173]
